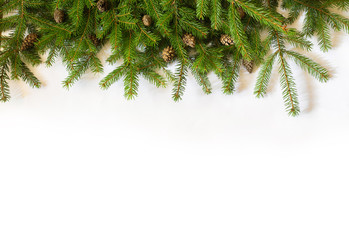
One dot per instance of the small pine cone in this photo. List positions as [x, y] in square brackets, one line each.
[248, 65]
[242, 13]
[147, 21]
[94, 39]
[168, 54]
[189, 40]
[102, 5]
[226, 40]
[59, 15]
[29, 41]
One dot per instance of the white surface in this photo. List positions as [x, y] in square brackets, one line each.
[87, 164]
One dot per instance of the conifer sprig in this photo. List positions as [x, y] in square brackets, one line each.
[221, 36]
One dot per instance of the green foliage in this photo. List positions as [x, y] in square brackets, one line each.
[260, 35]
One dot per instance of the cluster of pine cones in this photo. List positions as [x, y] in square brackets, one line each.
[168, 54]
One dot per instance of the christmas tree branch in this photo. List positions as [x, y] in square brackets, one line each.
[218, 36]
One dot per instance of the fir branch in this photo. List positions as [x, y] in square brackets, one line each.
[202, 7]
[268, 18]
[264, 76]
[203, 80]
[86, 30]
[310, 66]
[131, 82]
[154, 78]
[238, 33]
[179, 85]
[4, 87]
[288, 87]
[28, 77]
[231, 75]
[78, 68]
[216, 22]
[112, 77]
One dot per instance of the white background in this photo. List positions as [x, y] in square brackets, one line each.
[88, 164]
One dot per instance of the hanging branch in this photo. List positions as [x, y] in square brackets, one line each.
[146, 36]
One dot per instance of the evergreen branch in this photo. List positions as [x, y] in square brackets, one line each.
[131, 82]
[78, 69]
[288, 87]
[203, 80]
[264, 76]
[217, 14]
[179, 85]
[82, 37]
[262, 15]
[4, 87]
[208, 58]
[231, 75]
[149, 34]
[29, 77]
[112, 77]
[201, 8]
[43, 22]
[238, 33]
[310, 66]
[287, 82]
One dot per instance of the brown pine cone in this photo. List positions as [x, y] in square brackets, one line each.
[189, 40]
[168, 54]
[248, 65]
[59, 15]
[94, 39]
[102, 5]
[29, 41]
[242, 13]
[226, 40]
[147, 21]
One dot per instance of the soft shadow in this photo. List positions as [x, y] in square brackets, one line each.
[245, 79]
[337, 38]
[309, 85]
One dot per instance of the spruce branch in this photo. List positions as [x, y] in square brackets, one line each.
[288, 87]
[131, 82]
[202, 80]
[180, 82]
[230, 76]
[238, 33]
[112, 77]
[264, 76]
[269, 18]
[4, 87]
[310, 66]
[200, 36]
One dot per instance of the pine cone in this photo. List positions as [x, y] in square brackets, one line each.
[102, 5]
[189, 40]
[242, 13]
[29, 41]
[168, 54]
[226, 40]
[147, 20]
[94, 39]
[59, 15]
[248, 65]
